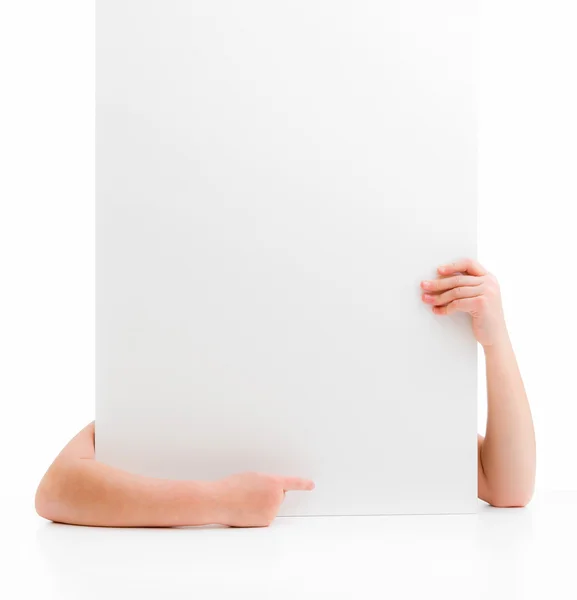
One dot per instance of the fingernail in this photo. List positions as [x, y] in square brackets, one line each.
[427, 297]
[426, 284]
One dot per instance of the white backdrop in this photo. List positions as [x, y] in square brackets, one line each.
[528, 190]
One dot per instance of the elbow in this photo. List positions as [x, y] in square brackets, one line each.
[43, 504]
[53, 499]
[44, 507]
[46, 498]
[511, 499]
[509, 502]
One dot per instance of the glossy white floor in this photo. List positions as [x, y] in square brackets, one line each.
[498, 553]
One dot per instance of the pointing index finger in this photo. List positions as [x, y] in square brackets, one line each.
[290, 484]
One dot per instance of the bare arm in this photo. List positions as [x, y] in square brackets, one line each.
[506, 456]
[507, 453]
[79, 490]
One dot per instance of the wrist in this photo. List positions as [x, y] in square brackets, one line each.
[200, 504]
[500, 342]
[217, 499]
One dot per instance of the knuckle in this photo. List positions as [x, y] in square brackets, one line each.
[269, 489]
[479, 302]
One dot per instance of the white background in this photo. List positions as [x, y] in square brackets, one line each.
[528, 190]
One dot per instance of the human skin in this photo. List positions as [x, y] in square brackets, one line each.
[506, 455]
[77, 489]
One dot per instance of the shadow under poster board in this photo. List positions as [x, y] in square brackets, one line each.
[273, 181]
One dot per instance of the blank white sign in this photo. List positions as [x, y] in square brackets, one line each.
[274, 179]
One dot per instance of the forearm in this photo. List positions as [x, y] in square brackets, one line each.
[508, 451]
[86, 492]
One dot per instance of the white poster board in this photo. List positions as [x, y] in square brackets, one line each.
[274, 179]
